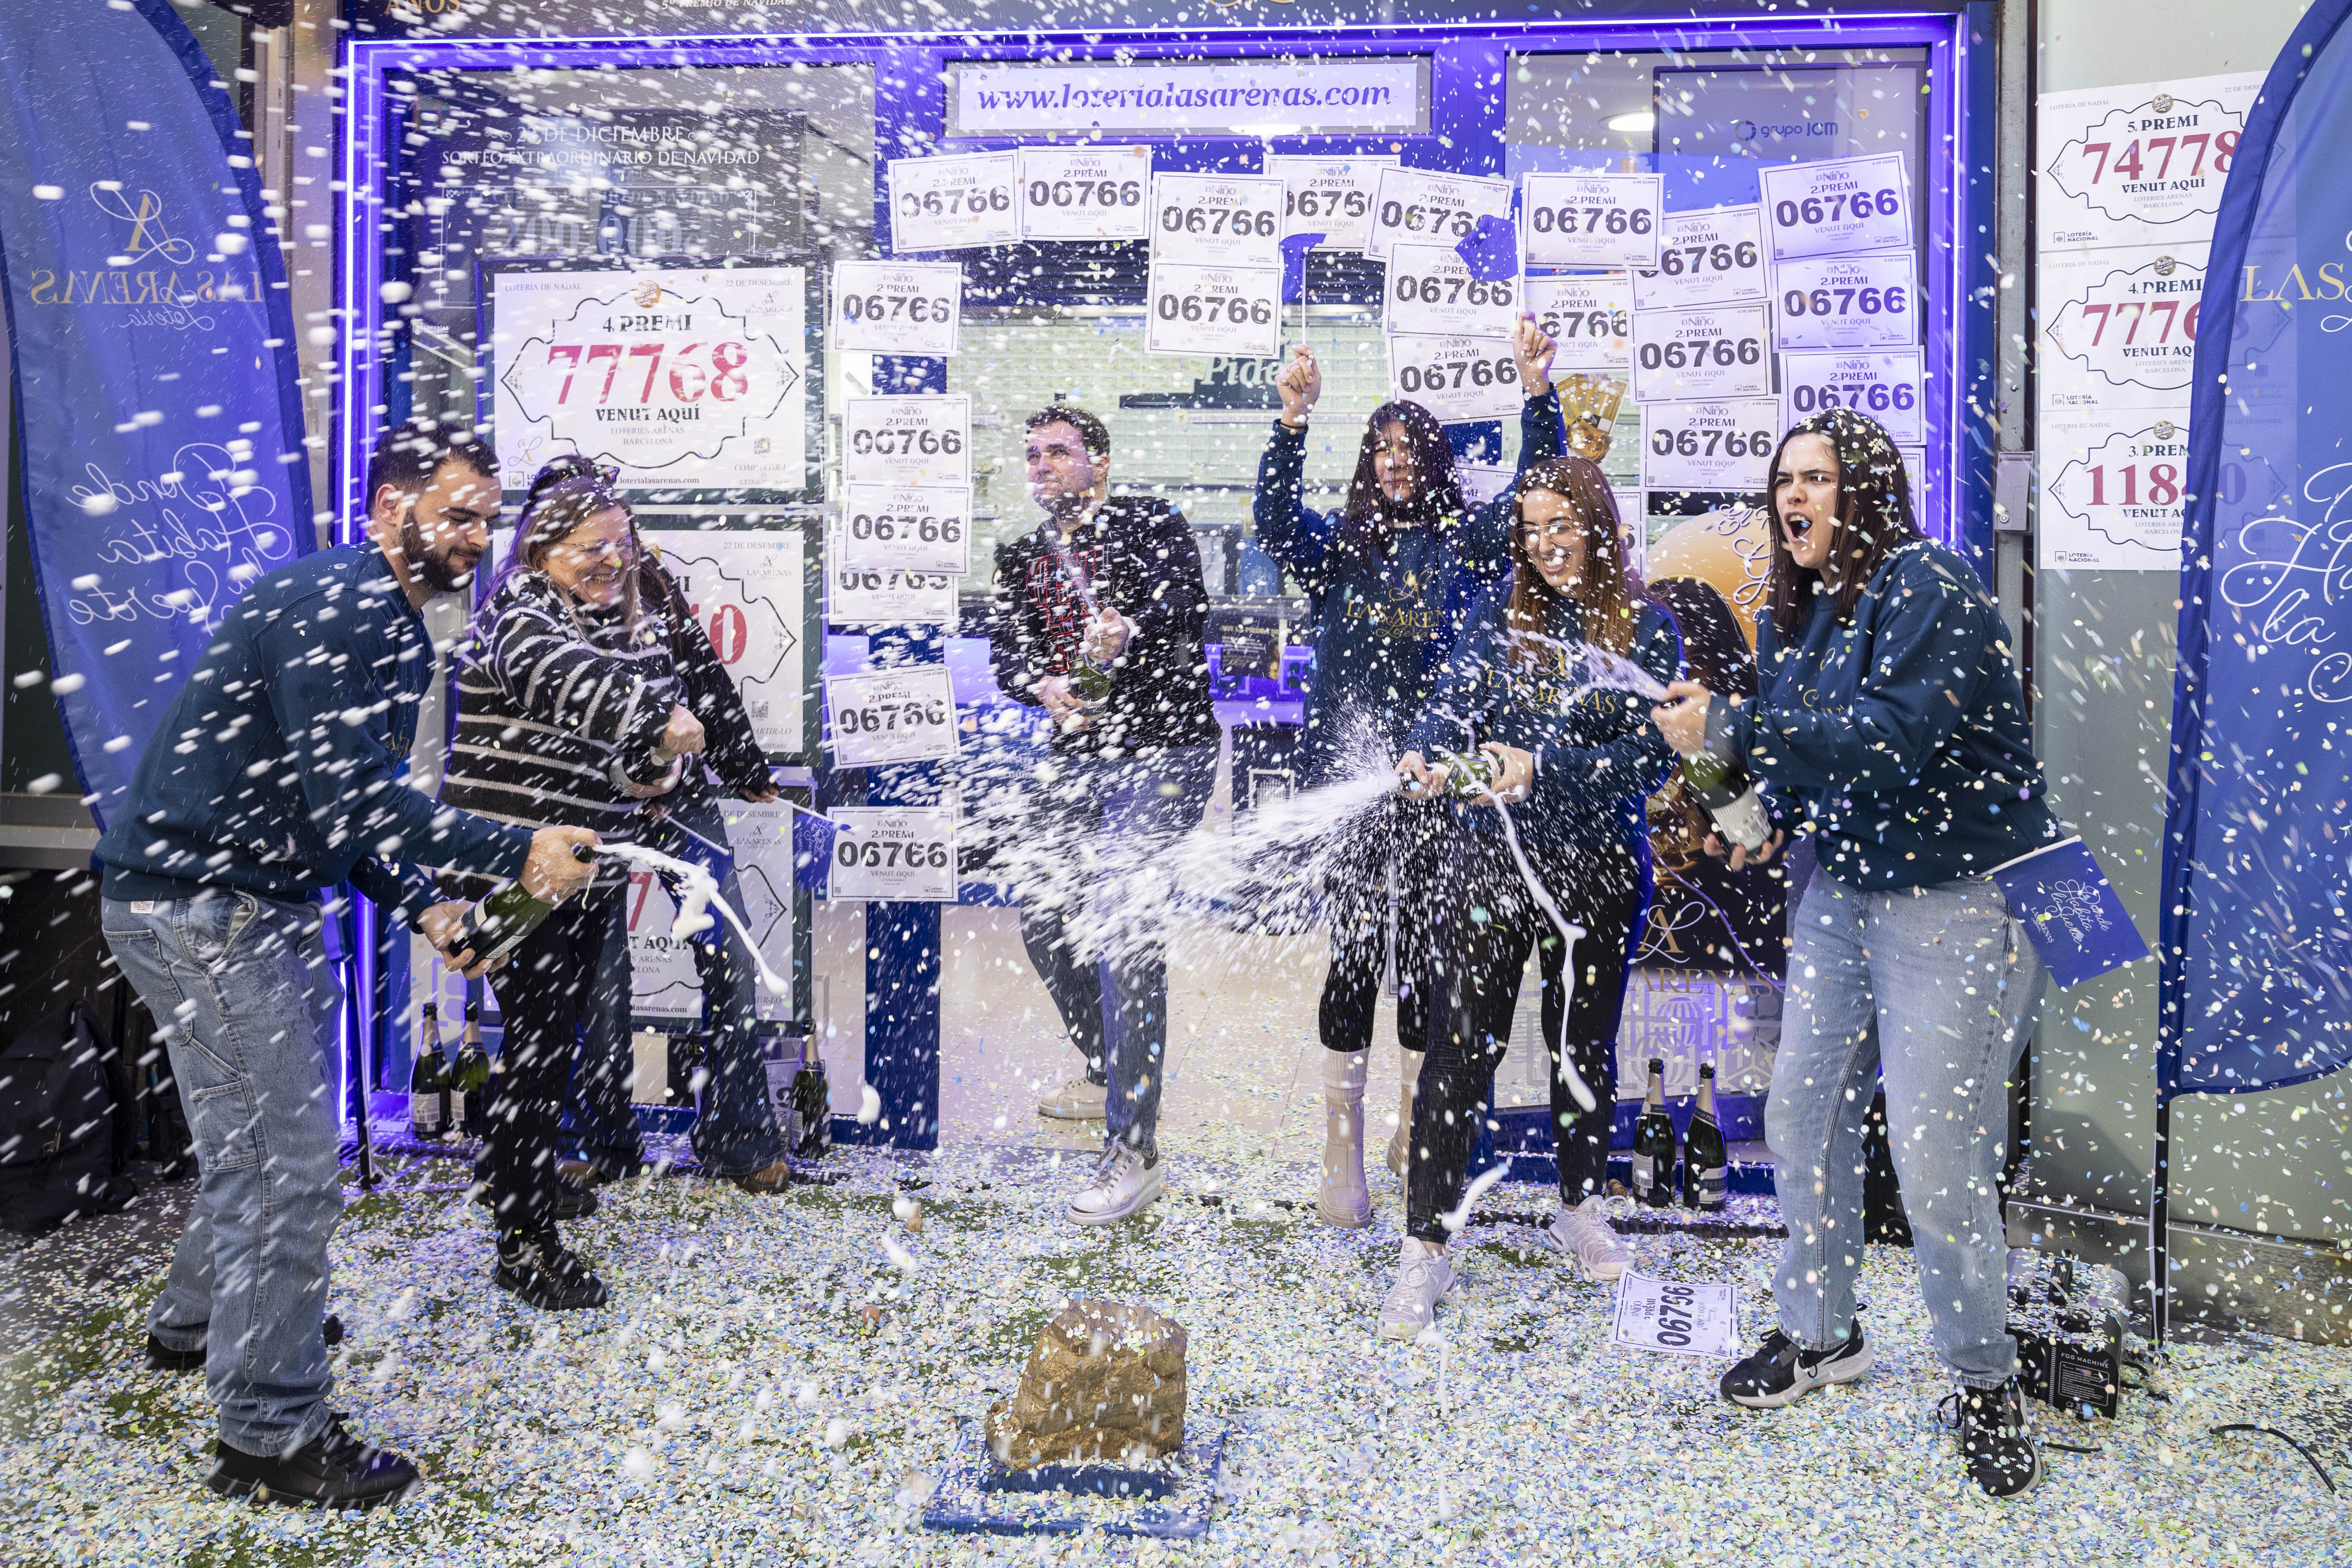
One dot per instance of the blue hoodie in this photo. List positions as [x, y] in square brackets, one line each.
[278, 768]
[1384, 621]
[1901, 737]
[1598, 756]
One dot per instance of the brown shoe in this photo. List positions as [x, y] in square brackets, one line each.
[766, 1179]
[580, 1172]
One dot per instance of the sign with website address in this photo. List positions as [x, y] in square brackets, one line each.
[1295, 96]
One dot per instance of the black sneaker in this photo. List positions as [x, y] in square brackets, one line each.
[161, 1357]
[2001, 1453]
[1779, 1372]
[543, 1273]
[334, 1469]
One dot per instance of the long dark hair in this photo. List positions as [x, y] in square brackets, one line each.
[563, 496]
[1874, 516]
[1436, 494]
[1605, 591]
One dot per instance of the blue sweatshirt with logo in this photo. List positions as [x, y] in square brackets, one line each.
[1597, 755]
[1385, 618]
[1900, 736]
[278, 768]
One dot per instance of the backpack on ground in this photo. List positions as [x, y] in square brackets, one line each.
[66, 1123]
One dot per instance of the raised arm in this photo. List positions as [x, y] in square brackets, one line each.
[1486, 538]
[1296, 537]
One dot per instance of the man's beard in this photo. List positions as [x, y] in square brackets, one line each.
[440, 574]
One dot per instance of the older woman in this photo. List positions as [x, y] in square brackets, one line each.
[1890, 720]
[571, 714]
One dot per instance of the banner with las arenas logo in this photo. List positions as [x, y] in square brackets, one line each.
[2254, 922]
[695, 383]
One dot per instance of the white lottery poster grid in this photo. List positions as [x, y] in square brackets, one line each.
[1847, 301]
[896, 307]
[1712, 446]
[954, 202]
[1837, 206]
[1431, 289]
[1330, 196]
[921, 439]
[881, 716]
[909, 527]
[1086, 192]
[1882, 384]
[902, 854]
[1593, 220]
[1589, 315]
[1458, 379]
[1422, 206]
[1714, 256]
[1680, 356]
[1217, 220]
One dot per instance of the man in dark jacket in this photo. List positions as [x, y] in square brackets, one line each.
[275, 773]
[1098, 618]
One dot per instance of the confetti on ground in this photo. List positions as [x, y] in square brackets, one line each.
[740, 1402]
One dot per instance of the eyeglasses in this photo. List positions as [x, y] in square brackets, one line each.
[1558, 533]
[623, 550]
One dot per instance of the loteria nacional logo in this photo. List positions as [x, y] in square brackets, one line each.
[151, 271]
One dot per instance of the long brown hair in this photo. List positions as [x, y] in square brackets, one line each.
[1370, 516]
[1606, 590]
[1874, 517]
[564, 497]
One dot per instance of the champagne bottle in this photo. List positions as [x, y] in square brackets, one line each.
[812, 1103]
[1730, 799]
[428, 1081]
[497, 925]
[1653, 1144]
[473, 1076]
[1090, 681]
[1704, 1158]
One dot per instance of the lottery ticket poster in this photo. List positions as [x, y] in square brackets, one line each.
[697, 383]
[2112, 490]
[755, 591]
[897, 854]
[2140, 164]
[665, 987]
[1677, 1317]
[2118, 328]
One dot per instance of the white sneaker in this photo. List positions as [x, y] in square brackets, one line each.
[1583, 1233]
[1425, 1278]
[1122, 1185]
[1077, 1101]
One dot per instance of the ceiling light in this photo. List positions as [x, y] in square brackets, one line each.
[1634, 124]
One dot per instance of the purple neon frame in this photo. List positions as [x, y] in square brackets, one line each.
[369, 62]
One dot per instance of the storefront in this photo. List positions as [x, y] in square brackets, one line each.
[478, 168]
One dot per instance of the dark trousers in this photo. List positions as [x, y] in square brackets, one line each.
[544, 991]
[1479, 965]
[1404, 843]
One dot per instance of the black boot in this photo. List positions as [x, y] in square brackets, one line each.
[161, 1357]
[334, 1469]
[573, 1198]
[540, 1271]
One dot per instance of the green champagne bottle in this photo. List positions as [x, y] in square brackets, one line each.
[497, 925]
[812, 1103]
[428, 1104]
[1730, 799]
[1090, 681]
[472, 1077]
[1706, 1158]
[1653, 1144]
[1467, 775]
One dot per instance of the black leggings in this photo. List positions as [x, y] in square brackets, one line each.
[1480, 962]
[1406, 837]
[544, 989]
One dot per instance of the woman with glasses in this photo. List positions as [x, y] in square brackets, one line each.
[1576, 761]
[569, 714]
[1388, 577]
[1890, 721]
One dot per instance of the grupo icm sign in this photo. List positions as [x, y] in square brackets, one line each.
[1260, 95]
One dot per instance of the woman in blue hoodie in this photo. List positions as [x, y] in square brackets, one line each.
[1389, 578]
[1576, 761]
[1890, 722]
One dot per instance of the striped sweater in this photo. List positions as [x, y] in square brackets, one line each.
[551, 698]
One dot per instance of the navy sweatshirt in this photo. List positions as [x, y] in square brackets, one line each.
[277, 769]
[1597, 757]
[1900, 737]
[1383, 622]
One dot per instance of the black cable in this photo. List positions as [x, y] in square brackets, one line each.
[2282, 1436]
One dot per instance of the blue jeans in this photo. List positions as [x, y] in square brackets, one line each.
[248, 1003]
[1114, 820]
[735, 1133]
[1934, 988]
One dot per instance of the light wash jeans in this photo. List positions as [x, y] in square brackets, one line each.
[1937, 987]
[247, 1001]
[735, 1133]
[1117, 819]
